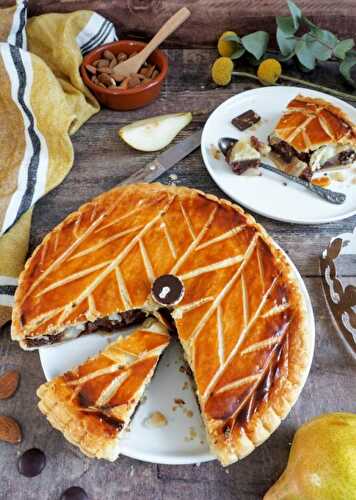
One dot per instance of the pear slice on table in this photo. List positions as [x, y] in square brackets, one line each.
[153, 134]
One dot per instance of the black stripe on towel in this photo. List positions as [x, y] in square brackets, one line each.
[32, 171]
[93, 39]
[23, 17]
[7, 289]
[99, 41]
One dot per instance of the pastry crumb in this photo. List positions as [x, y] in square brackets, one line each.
[192, 435]
[179, 401]
[155, 420]
[185, 386]
[188, 413]
[337, 176]
[215, 152]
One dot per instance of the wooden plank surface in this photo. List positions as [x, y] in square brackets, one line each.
[101, 160]
[209, 17]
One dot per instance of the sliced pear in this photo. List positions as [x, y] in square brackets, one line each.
[153, 134]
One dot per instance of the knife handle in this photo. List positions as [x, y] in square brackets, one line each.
[148, 173]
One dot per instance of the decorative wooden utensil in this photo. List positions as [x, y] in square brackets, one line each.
[133, 64]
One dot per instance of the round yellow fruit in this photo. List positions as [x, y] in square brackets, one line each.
[322, 461]
[221, 71]
[269, 71]
[226, 47]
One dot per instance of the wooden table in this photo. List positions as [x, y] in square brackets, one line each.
[101, 160]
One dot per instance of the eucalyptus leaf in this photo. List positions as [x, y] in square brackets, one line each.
[232, 38]
[325, 37]
[343, 47]
[286, 43]
[319, 50]
[304, 54]
[346, 67]
[286, 24]
[296, 13]
[256, 43]
[238, 53]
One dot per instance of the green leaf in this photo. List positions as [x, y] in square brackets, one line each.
[296, 13]
[319, 50]
[238, 53]
[304, 54]
[346, 67]
[343, 47]
[326, 37]
[286, 43]
[286, 24]
[232, 38]
[256, 43]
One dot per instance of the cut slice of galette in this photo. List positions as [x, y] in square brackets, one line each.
[93, 403]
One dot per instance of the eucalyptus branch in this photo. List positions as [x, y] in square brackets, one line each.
[322, 88]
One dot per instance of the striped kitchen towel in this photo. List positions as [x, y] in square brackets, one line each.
[42, 102]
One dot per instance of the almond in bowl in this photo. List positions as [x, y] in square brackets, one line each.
[101, 75]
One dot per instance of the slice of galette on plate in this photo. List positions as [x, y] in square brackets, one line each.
[313, 135]
[93, 403]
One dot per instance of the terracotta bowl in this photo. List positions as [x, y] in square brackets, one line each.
[125, 99]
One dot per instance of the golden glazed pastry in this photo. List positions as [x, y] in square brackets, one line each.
[313, 134]
[93, 403]
[242, 321]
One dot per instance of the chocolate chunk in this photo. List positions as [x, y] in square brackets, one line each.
[239, 167]
[167, 290]
[32, 462]
[74, 493]
[246, 120]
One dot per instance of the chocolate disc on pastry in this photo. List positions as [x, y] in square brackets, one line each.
[167, 290]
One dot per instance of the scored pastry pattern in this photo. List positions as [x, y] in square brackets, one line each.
[92, 404]
[239, 304]
[309, 123]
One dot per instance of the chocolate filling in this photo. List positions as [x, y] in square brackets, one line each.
[343, 158]
[286, 151]
[239, 167]
[127, 318]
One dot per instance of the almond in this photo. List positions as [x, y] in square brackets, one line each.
[10, 431]
[8, 384]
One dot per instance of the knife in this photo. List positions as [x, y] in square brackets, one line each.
[165, 160]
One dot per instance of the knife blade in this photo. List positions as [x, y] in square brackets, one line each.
[165, 160]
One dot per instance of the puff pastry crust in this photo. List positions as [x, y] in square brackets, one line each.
[242, 321]
[93, 403]
[309, 123]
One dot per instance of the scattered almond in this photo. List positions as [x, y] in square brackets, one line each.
[9, 382]
[10, 431]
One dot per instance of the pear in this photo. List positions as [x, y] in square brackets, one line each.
[153, 134]
[322, 461]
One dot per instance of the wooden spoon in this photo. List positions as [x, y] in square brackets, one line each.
[133, 64]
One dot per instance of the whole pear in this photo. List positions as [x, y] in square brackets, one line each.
[322, 461]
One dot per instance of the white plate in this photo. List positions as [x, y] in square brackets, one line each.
[267, 194]
[182, 441]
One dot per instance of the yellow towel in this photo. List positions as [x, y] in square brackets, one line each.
[42, 101]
